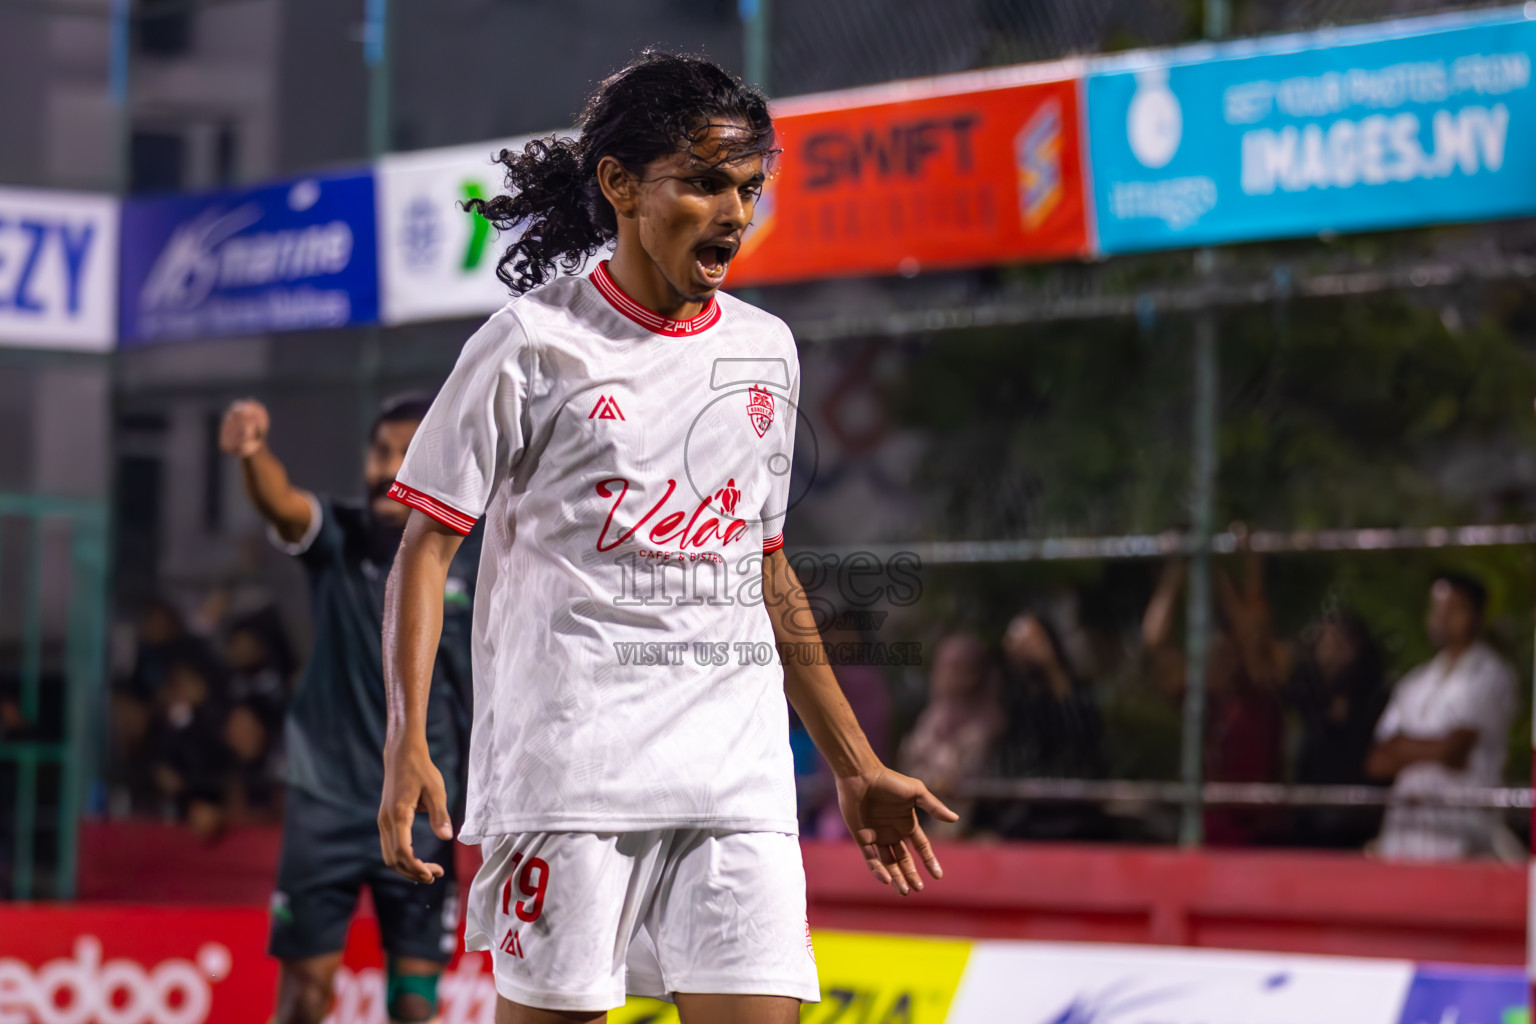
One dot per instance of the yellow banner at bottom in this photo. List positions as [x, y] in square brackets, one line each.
[865, 979]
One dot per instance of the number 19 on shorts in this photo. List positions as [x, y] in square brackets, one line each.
[531, 879]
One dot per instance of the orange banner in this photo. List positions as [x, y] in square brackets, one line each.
[921, 176]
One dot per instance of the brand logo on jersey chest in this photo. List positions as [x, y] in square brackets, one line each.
[760, 408]
[671, 528]
[605, 409]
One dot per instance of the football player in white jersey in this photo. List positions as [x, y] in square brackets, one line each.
[627, 436]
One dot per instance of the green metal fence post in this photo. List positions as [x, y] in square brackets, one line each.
[23, 862]
[756, 48]
[1197, 637]
[32, 628]
[86, 675]
[1197, 640]
[376, 55]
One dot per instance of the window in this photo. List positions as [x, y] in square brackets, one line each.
[163, 28]
[213, 473]
[226, 155]
[157, 161]
[138, 502]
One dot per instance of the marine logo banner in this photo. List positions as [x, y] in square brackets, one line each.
[295, 255]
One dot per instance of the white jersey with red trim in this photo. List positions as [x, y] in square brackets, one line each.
[633, 471]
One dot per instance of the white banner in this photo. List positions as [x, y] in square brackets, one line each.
[58, 269]
[437, 261]
[1048, 983]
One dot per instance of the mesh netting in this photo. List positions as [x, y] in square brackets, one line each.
[819, 46]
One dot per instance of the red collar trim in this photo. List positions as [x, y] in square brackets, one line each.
[650, 320]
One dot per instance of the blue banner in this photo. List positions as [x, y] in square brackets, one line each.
[292, 256]
[1443, 993]
[1383, 126]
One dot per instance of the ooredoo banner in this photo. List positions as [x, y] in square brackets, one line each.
[1392, 125]
[196, 965]
[959, 171]
[294, 255]
[134, 965]
[58, 269]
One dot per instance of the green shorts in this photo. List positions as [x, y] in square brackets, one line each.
[328, 856]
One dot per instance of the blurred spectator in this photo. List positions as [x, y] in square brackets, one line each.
[955, 735]
[1244, 742]
[162, 641]
[1142, 707]
[1337, 691]
[1164, 661]
[1053, 730]
[260, 664]
[255, 774]
[184, 748]
[13, 725]
[1244, 727]
[1446, 727]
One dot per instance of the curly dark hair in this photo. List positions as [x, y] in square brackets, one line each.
[658, 105]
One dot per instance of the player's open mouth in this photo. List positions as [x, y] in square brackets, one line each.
[713, 259]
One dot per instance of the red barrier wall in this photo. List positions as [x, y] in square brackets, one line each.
[1285, 901]
[146, 862]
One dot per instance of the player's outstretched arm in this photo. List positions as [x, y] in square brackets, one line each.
[878, 804]
[413, 624]
[243, 434]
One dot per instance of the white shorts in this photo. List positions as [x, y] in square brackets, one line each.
[575, 920]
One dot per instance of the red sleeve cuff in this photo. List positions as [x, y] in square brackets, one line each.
[445, 514]
[772, 544]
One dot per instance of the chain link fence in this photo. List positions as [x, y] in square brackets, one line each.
[818, 46]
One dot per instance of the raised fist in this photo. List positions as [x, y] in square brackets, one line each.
[244, 431]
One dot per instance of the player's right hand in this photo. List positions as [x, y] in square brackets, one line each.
[411, 783]
[244, 430]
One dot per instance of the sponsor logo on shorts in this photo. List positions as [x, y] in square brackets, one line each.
[510, 943]
[281, 911]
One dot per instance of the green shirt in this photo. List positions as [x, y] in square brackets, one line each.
[334, 735]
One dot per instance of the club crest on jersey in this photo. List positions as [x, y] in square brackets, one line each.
[760, 408]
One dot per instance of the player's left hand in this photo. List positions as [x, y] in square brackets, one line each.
[880, 808]
[411, 783]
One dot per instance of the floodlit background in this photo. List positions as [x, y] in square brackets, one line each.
[1220, 465]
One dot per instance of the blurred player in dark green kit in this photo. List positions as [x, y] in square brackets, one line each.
[334, 735]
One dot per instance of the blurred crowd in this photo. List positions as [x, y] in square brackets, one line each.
[197, 722]
[1317, 709]
[197, 715]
